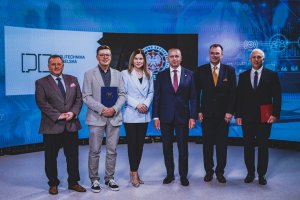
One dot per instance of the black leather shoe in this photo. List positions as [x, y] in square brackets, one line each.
[168, 179]
[184, 181]
[262, 180]
[221, 178]
[249, 178]
[208, 177]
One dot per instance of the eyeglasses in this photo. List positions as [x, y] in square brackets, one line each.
[104, 55]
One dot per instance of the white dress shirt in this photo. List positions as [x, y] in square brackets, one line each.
[178, 74]
[61, 79]
[217, 70]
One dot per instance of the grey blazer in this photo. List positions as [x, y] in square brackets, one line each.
[92, 84]
[51, 103]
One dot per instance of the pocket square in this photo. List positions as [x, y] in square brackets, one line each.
[73, 85]
[225, 79]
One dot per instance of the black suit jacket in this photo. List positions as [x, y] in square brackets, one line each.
[51, 103]
[249, 100]
[179, 106]
[215, 101]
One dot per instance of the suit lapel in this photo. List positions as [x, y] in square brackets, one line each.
[168, 79]
[221, 75]
[209, 75]
[183, 76]
[248, 80]
[68, 83]
[262, 78]
[98, 76]
[141, 87]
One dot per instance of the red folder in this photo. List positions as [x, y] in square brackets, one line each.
[265, 112]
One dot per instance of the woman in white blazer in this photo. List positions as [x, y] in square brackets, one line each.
[138, 83]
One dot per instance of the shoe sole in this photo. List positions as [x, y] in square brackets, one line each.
[114, 189]
[95, 191]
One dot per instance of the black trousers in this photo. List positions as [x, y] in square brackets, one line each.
[214, 132]
[69, 142]
[256, 133]
[167, 134]
[135, 134]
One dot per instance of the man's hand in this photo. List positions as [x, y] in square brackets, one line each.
[200, 117]
[191, 123]
[239, 121]
[67, 116]
[108, 112]
[157, 124]
[62, 116]
[228, 117]
[70, 116]
[272, 119]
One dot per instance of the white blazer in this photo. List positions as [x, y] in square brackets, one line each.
[136, 93]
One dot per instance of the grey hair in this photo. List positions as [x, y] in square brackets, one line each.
[258, 50]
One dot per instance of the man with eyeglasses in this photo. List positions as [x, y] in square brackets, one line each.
[103, 120]
[258, 87]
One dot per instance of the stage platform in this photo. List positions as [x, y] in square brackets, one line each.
[23, 177]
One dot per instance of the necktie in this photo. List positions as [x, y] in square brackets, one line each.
[61, 87]
[215, 75]
[255, 80]
[175, 80]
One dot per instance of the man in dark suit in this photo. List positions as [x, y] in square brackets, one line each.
[58, 96]
[257, 86]
[174, 108]
[216, 88]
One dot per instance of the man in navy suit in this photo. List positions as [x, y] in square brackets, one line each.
[174, 108]
[257, 86]
[216, 88]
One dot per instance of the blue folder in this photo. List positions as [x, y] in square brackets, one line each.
[109, 96]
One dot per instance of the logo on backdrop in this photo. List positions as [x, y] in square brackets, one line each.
[157, 58]
[39, 62]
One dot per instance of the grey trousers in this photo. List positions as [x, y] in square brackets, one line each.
[96, 134]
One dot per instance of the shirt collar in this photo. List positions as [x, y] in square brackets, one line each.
[258, 71]
[178, 69]
[54, 77]
[212, 65]
[102, 71]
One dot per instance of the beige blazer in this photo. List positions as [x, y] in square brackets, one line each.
[92, 84]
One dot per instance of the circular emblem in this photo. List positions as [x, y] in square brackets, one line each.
[248, 44]
[278, 42]
[157, 58]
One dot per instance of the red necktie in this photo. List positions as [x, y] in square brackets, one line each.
[175, 80]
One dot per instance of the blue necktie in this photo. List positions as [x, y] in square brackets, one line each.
[61, 87]
[255, 80]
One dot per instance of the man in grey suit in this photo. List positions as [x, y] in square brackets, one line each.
[59, 98]
[103, 119]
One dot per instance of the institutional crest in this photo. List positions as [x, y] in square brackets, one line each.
[157, 58]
